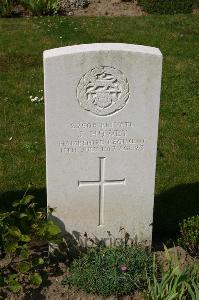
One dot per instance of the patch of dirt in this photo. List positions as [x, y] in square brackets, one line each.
[52, 289]
[109, 8]
[178, 253]
[196, 11]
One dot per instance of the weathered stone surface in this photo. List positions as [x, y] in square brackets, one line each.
[102, 108]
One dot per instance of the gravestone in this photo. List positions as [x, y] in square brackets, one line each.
[102, 109]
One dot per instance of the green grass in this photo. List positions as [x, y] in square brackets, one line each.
[22, 41]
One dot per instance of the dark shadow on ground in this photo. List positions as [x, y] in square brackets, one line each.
[171, 207]
[7, 198]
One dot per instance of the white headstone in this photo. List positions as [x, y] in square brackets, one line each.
[102, 109]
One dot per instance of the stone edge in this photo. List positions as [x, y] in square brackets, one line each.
[101, 47]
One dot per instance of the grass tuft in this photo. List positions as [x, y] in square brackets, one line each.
[111, 271]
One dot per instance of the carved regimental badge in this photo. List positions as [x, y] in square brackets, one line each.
[103, 91]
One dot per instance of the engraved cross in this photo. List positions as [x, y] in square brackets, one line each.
[101, 183]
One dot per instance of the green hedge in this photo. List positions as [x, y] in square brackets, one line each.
[196, 3]
[36, 7]
[168, 6]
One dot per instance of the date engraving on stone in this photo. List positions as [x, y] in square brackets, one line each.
[101, 184]
[103, 91]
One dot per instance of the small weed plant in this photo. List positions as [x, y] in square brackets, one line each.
[111, 271]
[23, 230]
[6, 7]
[174, 282]
[189, 239]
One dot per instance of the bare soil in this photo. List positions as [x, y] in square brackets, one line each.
[110, 8]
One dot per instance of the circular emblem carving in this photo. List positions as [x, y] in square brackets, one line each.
[103, 91]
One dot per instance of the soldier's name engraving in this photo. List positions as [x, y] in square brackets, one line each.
[103, 133]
